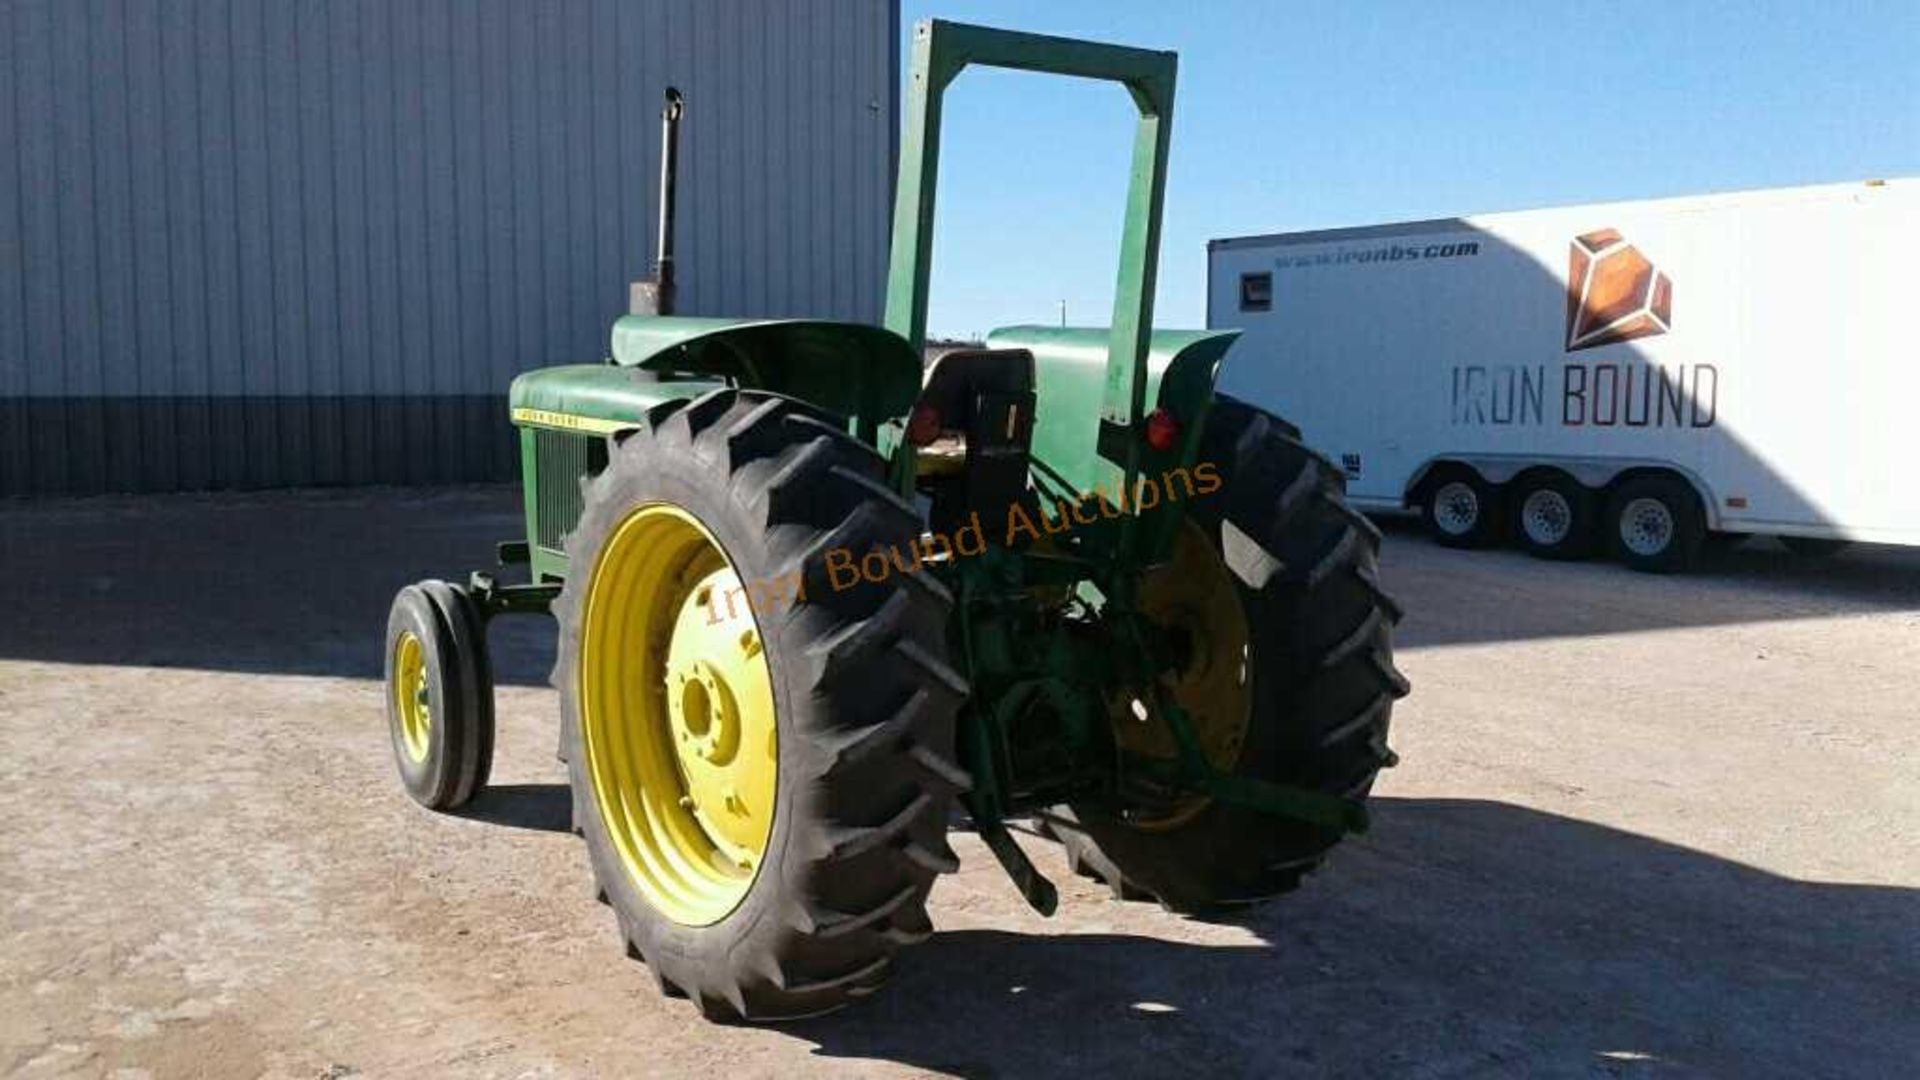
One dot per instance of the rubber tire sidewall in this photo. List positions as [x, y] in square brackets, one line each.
[434, 781]
[1689, 524]
[1228, 856]
[715, 962]
[1578, 543]
[1486, 531]
[471, 725]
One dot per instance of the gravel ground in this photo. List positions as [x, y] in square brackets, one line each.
[1642, 826]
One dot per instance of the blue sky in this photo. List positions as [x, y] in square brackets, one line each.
[1294, 116]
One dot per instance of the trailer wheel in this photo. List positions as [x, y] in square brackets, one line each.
[760, 748]
[1460, 508]
[1553, 516]
[1279, 574]
[1656, 524]
[432, 716]
[1814, 547]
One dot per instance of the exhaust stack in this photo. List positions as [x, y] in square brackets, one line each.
[655, 296]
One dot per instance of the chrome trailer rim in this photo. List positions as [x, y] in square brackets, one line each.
[1646, 526]
[1547, 517]
[1456, 508]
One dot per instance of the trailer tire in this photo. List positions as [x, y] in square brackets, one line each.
[840, 693]
[1655, 523]
[1460, 508]
[1553, 515]
[1320, 660]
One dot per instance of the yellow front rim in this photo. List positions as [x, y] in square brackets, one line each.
[411, 701]
[676, 715]
[1193, 595]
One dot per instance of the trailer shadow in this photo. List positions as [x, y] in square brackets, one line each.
[1461, 937]
[1457, 597]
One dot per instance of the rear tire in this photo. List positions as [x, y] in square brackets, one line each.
[863, 702]
[1655, 524]
[1460, 508]
[1553, 516]
[1320, 657]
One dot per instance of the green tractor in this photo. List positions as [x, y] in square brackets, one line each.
[811, 595]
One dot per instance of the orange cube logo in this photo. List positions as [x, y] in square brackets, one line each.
[1614, 293]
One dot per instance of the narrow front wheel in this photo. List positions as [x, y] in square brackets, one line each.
[439, 704]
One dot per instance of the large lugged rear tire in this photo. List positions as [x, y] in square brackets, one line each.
[856, 681]
[1320, 661]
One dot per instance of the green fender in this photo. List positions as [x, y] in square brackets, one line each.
[865, 373]
[1070, 367]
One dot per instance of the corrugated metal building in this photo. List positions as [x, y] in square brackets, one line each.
[257, 243]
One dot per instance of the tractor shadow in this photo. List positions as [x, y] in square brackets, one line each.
[535, 807]
[1461, 937]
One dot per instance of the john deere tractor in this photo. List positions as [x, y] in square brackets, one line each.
[815, 597]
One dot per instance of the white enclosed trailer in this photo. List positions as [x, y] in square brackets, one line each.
[1635, 376]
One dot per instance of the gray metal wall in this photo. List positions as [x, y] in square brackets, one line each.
[251, 243]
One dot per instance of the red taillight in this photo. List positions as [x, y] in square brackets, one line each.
[1163, 431]
[923, 426]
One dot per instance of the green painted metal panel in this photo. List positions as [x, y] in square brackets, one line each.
[617, 396]
[1070, 365]
[849, 368]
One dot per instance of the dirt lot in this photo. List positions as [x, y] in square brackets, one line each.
[1642, 826]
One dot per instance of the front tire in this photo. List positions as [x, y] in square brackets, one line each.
[440, 723]
[813, 771]
[1319, 660]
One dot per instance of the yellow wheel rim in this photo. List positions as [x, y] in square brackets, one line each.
[411, 700]
[676, 715]
[1193, 596]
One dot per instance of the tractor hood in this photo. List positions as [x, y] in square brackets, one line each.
[849, 368]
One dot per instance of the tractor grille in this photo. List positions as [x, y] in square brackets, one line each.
[560, 460]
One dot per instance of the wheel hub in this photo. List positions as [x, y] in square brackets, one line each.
[677, 715]
[1456, 507]
[411, 698]
[1192, 600]
[1646, 526]
[1547, 517]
